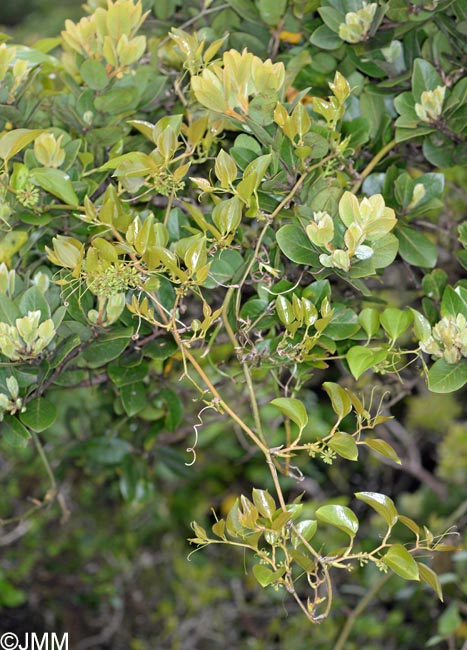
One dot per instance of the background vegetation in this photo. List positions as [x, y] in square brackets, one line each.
[98, 547]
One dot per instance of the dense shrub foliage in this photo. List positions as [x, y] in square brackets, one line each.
[231, 274]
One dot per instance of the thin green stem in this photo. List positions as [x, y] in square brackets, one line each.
[45, 462]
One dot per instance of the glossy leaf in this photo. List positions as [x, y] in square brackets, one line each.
[339, 516]
[264, 502]
[344, 445]
[445, 377]
[383, 448]
[401, 562]
[340, 400]
[293, 409]
[383, 505]
[428, 576]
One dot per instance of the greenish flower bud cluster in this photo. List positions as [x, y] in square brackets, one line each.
[11, 403]
[357, 23]
[27, 338]
[166, 184]
[28, 196]
[113, 280]
[431, 103]
[448, 339]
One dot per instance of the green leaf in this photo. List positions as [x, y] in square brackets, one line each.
[133, 398]
[9, 312]
[383, 448]
[295, 245]
[117, 100]
[13, 432]
[293, 409]
[361, 359]
[33, 300]
[94, 74]
[384, 251]
[271, 11]
[40, 414]
[174, 407]
[415, 247]
[246, 10]
[421, 325]
[339, 516]
[264, 503]
[306, 528]
[123, 375]
[56, 182]
[446, 378]
[395, 321]
[266, 576]
[369, 320]
[425, 77]
[453, 302]
[428, 576]
[324, 38]
[107, 347]
[161, 348]
[401, 562]
[341, 403]
[383, 505]
[343, 325]
[12, 142]
[344, 445]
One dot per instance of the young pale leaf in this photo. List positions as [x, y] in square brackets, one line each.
[339, 516]
[219, 528]
[383, 505]
[293, 409]
[421, 325]
[40, 414]
[401, 562]
[428, 576]
[340, 400]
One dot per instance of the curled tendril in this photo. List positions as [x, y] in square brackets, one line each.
[192, 450]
